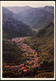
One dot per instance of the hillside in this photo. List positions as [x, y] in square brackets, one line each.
[11, 53]
[36, 18]
[13, 27]
[47, 37]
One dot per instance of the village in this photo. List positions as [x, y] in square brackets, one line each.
[32, 59]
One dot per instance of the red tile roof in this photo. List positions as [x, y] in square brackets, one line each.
[25, 70]
[7, 66]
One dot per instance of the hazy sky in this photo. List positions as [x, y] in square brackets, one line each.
[28, 3]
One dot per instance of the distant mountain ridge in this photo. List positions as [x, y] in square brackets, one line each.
[36, 18]
[17, 9]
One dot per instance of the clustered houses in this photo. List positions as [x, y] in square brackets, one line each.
[31, 54]
[18, 67]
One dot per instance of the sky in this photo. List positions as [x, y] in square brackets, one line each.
[28, 3]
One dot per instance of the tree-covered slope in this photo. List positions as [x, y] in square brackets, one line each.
[47, 37]
[12, 54]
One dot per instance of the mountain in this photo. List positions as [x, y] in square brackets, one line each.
[49, 9]
[47, 31]
[13, 27]
[17, 10]
[36, 18]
